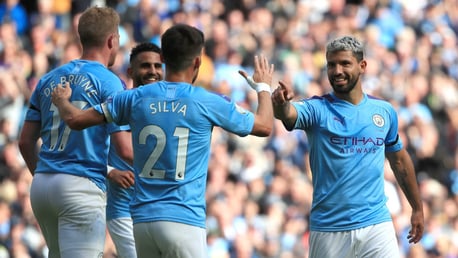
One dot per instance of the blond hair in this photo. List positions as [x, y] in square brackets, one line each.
[96, 24]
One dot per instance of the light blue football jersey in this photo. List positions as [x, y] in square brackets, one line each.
[81, 153]
[171, 127]
[347, 154]
[118, 198]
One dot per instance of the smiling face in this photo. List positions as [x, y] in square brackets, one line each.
[146, 68]
[344, 71]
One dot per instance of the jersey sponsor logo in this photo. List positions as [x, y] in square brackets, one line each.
[357, 150]
[357, 144]
[354, 141]
[378, 120]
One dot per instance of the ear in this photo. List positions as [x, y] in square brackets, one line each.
[362, 66]
[197, 62]
[111, 40]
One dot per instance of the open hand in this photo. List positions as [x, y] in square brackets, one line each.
[263, 72]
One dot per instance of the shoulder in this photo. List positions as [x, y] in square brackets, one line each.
[57, 71]
[316, 100]
[374, 98]
[109, 80]
[208, 94]
[379, 102]
[52, 76]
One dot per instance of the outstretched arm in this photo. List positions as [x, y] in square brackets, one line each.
[283, 110]
[74, 117]
[261, 80]
[403, 169]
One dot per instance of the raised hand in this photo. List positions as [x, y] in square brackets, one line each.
[263, 72]
[282, 94]
[282, 107]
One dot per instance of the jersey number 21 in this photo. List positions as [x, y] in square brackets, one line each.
[182, 149]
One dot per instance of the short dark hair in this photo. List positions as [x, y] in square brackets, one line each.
[143, 47]
[181, 43]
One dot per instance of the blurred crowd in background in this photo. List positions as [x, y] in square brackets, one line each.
[259, 191]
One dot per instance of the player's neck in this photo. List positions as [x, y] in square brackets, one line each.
[96, 55]
[354, 97]
[182, 76]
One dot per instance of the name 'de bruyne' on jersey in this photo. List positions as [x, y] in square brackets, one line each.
[73, 79]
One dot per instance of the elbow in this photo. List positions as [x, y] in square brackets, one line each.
[287, 124]
[266, 131]
[263, 125]
[262, 131]
[74, 125]
[263, 134]
[288, 127]
[84, 119]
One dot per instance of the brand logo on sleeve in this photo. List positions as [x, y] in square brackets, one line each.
[240, 109]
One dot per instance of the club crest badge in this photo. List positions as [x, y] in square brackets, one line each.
[378, 120]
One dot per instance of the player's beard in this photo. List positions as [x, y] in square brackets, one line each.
[148, 79]
[345, 89]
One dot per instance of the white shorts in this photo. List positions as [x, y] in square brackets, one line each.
[71, 213]
[122, 233]
[166, 239]
[376, 241]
